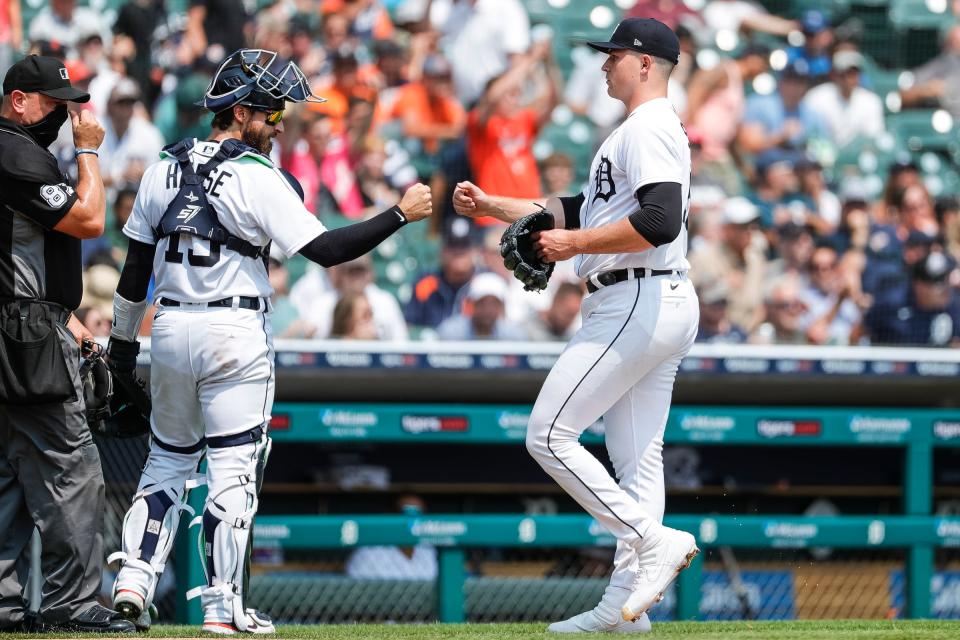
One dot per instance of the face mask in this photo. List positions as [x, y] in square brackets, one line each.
[45, 131]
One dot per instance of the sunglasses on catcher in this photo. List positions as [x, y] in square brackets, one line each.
[273, 117]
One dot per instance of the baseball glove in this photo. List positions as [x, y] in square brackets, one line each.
[118, 405]
[520, 254]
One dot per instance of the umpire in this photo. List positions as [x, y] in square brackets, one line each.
[50, 474]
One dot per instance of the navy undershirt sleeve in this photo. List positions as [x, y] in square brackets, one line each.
[341, 245]
[571, 210]
[661, 212]
[137, 269]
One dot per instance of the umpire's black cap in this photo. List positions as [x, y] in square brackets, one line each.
[645, 35]
[42, 74]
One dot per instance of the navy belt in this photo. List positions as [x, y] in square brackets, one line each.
[245, 302]
[608, 278]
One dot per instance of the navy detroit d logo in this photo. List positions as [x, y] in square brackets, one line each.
[603, 180]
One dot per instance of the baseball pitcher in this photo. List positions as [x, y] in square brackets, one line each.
[628, 233]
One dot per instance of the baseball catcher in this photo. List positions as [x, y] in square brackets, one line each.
[203, 224]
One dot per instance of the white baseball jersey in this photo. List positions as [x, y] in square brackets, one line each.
[649, 147]
[252, 200]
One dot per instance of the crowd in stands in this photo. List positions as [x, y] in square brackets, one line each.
[789, 244]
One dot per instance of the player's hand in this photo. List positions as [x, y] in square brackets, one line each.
[555, 245]
[87, 131]
[417, 203]
[470, 200]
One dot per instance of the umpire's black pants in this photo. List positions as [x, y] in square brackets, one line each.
[50, 476]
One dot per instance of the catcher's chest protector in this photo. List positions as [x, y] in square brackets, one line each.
[190, 211]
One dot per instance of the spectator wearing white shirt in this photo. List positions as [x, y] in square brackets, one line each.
[483, 316]
[743, 15]
[848, 110]
[562, 318]
[395, 563]
[64, 22]
[354, 277]
[481, 39]
[130, 143]
[519, 306]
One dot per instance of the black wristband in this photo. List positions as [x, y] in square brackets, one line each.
[122, 354]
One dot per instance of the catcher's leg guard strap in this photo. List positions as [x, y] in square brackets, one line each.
[245, 437]
[194, 448]
[150, 525]
[226, 523]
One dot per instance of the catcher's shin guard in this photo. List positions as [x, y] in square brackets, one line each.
[233, 466]
[150, 526]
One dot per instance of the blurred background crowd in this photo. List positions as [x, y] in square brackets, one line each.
[824, 203]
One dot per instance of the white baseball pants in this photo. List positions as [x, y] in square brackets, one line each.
[621, 366]
[211, 373]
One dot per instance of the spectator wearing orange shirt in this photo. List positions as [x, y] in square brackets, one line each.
[368, 19]
[429, 109]
[346, 86]
[501, 131]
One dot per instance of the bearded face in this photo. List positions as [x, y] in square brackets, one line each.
[259, 135]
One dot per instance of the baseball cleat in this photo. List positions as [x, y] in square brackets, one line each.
[257, 622]
[660, 564]
[129, 604]
[595, 622]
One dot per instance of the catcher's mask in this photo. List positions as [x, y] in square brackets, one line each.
[245, 78]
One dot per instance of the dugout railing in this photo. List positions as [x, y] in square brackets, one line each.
[916, 432]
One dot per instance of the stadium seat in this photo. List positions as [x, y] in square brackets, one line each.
[916, 14]
[915, 30]
[573, 137]
[876, 38]
[923, 129]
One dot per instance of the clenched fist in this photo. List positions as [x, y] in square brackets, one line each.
[417, 202]
[470, 200]
[87, 131]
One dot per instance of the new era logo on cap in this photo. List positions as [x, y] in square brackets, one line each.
[637, 43]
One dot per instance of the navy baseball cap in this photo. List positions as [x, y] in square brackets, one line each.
[42, 74]
[813, 21]
[936, 267]
[644, 35]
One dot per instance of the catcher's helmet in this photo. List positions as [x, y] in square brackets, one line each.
[245, 78]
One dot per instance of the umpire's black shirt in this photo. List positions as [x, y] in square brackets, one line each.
[35, 261]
